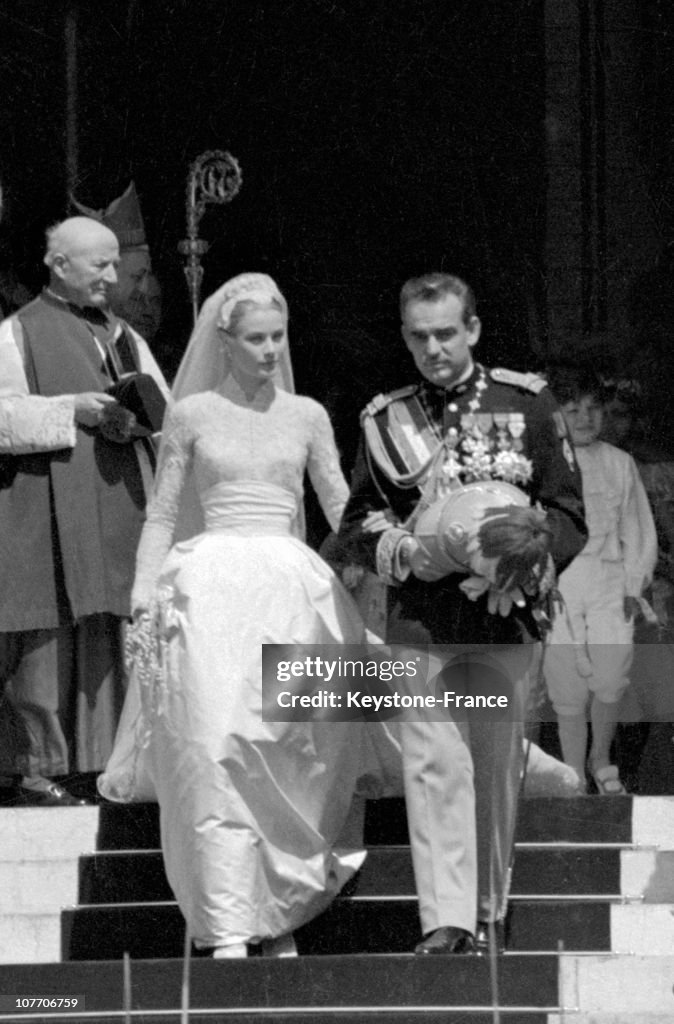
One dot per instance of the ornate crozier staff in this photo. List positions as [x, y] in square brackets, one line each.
[214, 177]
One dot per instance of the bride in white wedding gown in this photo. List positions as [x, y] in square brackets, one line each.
[251, 811]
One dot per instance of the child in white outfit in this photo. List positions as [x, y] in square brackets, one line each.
[591, 643]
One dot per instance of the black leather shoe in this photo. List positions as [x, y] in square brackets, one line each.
[52, 796]
[482, 937]
[446, 940]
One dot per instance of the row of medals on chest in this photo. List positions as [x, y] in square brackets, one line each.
[476, 426]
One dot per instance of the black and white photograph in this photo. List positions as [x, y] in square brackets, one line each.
[337, 511]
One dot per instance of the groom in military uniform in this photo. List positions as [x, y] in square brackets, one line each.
[460, 423]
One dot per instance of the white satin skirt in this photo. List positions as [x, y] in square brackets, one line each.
[253, 813]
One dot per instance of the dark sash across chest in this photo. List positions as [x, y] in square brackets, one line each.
[401, 437]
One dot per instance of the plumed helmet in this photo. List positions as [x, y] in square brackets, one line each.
[449, 529]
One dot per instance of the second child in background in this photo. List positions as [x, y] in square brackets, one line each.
[591, 644]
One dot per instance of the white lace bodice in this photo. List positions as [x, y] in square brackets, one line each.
[224, 436]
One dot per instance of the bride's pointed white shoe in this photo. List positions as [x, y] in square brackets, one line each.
[235, 950]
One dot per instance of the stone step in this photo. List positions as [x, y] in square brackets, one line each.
[47, 833]
[390, 925]
[39, 885]
[38, 831]
[631, 1017]
[355, 984]
[572, 820]
[358, 989]
[352, 926]
[619, 985]
[30, 936]
[138, 876]
[39, 874]
[330, 1015]
[643, 821]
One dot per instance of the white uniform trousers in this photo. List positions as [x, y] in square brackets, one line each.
[462, 782]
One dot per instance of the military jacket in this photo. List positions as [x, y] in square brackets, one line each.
[497, 424]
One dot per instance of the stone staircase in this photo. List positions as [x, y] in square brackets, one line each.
[591, 928]
[39, 875]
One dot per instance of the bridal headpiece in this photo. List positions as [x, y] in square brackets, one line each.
[258, 288]
[204, 366]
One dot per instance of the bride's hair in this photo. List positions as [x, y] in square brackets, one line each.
[244, 306]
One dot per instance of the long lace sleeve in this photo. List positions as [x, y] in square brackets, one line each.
[324, 469]
[157, 537]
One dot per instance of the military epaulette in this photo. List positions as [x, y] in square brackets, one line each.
[382, 401]
[527, 381]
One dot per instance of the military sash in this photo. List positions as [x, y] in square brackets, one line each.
[400, 438]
